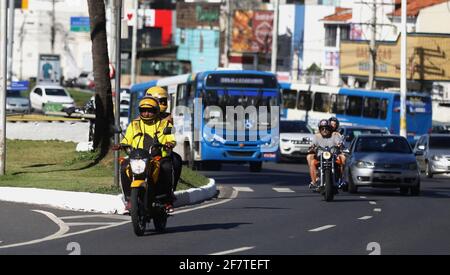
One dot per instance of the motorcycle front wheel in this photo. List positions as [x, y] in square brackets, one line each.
[329, 188]
[138, 217]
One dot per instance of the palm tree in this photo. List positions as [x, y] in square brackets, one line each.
[104, 117]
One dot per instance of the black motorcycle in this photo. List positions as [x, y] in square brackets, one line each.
[329, 172]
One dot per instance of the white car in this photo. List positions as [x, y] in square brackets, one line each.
[45, 94]
[295, 138]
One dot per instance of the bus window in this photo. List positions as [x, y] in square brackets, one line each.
[371, 107]
[304, 101]
[289, 99]
[354, 104]
[338, 102]
[383, 108]
[322, 102]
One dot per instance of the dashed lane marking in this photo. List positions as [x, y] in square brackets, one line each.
[322, 228]
[233, 250]
[365, 218]
[377, 210]
[363, 197]
[283, 190]
[372, 202]
[243, 189]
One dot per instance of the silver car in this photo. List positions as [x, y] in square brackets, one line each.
[16, 103]
[433, 154]
[385, 161]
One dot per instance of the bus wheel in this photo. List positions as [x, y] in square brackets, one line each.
[255, 166]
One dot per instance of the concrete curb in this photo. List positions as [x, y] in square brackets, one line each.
[92, 202]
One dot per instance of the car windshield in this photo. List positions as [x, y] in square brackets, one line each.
[295, 127]
[382, 145]
[55, 92]
[355, 132]
[15, 94]
[440, 142]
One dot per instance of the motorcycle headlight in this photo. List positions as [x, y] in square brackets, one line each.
[138, 165]
[365, 164]
[326, 155]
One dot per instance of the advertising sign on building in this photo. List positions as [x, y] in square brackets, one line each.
[195, 15]
[428, 58]
[49, 70]
[252, 31]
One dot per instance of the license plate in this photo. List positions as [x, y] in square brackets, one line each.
[270, 155]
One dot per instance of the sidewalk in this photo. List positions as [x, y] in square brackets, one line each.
[90, 202]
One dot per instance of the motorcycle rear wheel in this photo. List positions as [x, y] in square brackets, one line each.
[137, 212]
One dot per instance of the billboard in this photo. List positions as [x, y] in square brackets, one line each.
[49, 70]
[252, 31]
[194, 15]
[428, 58]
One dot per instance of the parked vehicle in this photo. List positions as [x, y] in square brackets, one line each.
[382, 161]
[295, 138]
[42, 95]
[85, 80]
[16, 103]
[433, 154]
[350, 132]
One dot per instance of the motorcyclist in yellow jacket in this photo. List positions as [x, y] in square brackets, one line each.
[142, 133]
[163, 99]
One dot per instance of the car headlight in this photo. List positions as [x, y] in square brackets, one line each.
[412, 166]
[438, 158]
[365, 164]
[326, 155]
[138, 165]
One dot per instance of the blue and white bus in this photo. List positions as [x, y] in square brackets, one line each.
[206, 132]
[357, 107]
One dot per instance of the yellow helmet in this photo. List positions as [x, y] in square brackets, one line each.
[161, 95]
[150, 106]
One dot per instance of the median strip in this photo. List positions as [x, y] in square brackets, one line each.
[322, 228]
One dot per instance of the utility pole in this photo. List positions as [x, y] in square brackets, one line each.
[53, 30]
[134, 42]
[373, 48]
[226, 48]
[3, 76]
[403, 70]
[275, 37]
[118, 14]
[11, 12]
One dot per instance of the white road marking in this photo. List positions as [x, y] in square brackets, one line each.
[234, 194]
[116, 217]
[377, 210]
[243, 189]
[363, 197]
[365, 218]
[90, 223]
[63, 229]
[372, 202]
[283, 190]
[322, 228]
[233, 250]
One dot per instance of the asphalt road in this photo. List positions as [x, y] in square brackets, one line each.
[266, 213]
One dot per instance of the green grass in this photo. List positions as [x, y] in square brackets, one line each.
[81, 98]
[56, 165]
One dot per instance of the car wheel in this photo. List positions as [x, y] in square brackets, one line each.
[428, 171]
[352, 188]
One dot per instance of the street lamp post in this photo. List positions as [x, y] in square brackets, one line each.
[118, 10]
[403, 69]
[3, 77]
